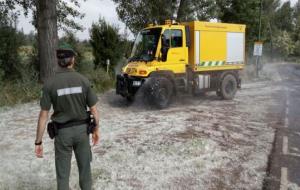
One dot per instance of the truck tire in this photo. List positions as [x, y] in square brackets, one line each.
[159, 92]
[129, 99]
[228, 87]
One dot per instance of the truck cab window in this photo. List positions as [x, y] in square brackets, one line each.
[145, 45]
[172, 38]
[167, 38]
[176, 38]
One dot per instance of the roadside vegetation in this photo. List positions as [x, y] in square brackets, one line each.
[19, 68]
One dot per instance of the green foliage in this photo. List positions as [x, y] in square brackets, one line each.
[137, 14]
[18, 71]
[297, 49]
[106, 43]
[284, 17]
[243, 12]
[297, 21]
[10, 41]
[18, 91]
[67, 10]
[19, 76]
[100, 80]
[189, 10]
[284, 44]
[24, 86]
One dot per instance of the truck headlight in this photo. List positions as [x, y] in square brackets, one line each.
[136, 83]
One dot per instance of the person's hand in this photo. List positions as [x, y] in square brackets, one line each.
[39, 151]
[96, 136]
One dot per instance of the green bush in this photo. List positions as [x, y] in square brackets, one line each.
[297, 48]
[284, 44]
[100, 80]
[28, 89]
[19, 83]
[106, 43]
[18, 91]
[10, 41]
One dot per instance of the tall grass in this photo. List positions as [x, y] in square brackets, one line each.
[17, 91]
[27, 88]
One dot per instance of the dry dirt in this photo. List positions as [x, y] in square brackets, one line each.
[196, 143]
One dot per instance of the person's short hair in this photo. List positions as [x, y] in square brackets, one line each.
[64, 62]
[64, 55]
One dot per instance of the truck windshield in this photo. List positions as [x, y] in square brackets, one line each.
[145, 45]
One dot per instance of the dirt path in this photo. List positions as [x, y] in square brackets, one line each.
[197, 143]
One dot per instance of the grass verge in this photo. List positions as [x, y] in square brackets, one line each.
[20, 91]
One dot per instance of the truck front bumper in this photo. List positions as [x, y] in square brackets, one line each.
[127, 86]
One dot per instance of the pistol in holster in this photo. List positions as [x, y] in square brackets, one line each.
[52, 129]
[91, 124]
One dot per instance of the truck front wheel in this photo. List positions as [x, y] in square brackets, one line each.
[130, 98]
[228, 87]
[159, 92]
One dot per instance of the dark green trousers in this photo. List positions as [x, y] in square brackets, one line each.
[68, 139]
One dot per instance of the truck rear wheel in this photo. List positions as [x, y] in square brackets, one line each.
[228, 87]
[159, 92]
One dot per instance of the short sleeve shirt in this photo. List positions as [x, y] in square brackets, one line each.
[70, 94]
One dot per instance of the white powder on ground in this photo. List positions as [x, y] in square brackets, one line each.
[197, 143]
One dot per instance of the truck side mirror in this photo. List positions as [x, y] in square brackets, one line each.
[164, 48]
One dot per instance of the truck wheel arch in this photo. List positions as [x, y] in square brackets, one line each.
[168, 74]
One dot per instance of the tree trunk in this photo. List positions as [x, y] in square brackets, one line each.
[47, 37]
[180, 12]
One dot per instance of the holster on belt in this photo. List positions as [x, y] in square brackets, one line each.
[52, 129]
[91, 124]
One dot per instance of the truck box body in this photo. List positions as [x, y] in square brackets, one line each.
[216, 46]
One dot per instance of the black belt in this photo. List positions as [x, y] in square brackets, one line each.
[71, 123]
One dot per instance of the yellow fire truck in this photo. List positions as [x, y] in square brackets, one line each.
[190, 57]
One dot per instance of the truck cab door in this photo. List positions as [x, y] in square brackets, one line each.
[174, 50]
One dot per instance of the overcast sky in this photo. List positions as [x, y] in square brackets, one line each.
[92, 9]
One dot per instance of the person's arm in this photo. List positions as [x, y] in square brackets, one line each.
[96, 133]
[43, 117]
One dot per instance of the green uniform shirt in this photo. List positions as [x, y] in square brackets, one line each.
[70, 93]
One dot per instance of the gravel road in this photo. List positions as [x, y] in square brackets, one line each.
[196, 143]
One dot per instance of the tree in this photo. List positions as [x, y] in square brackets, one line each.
[47, 17]
[47, 37]
[66, 11]
[296, 17]
[243, 12]
[297, 28]
[105, 40]
[137, 14]
[189, 10]
[10, 41]
[284, 44]
[126, 44]
[284, 17]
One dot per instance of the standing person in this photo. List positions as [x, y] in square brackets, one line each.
[70, 94]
